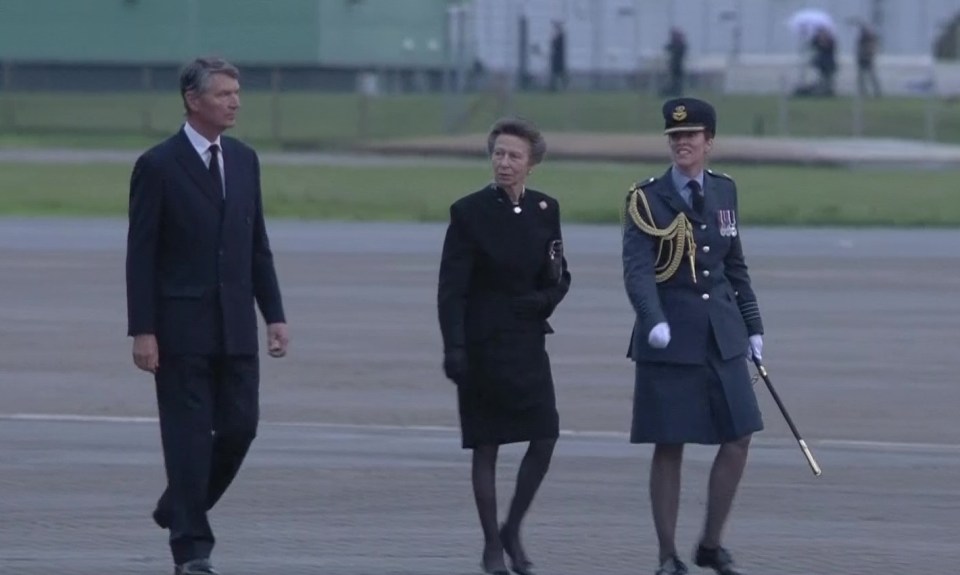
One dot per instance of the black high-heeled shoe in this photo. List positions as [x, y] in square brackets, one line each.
[491, 570]
[518, 567]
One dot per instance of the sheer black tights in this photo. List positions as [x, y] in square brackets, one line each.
[533, 468]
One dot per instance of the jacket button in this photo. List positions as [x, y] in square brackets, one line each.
[703, 226]
[706, 249]
[706, 296]
[706, 273]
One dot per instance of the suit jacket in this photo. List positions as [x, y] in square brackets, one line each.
[197, 263]
[492, 255]
[720, 303]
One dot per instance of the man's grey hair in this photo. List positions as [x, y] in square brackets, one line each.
[195, 76]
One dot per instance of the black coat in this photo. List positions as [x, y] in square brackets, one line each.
[714, 300]
[494, 259]
[492, 255]
[196, 263]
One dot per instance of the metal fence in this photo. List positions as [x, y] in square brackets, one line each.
[316, 108]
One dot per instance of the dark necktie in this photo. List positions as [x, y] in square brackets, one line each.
[696, 196]
[214, 169]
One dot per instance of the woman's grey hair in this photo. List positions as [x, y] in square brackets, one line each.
[195, 76]
[520, 128]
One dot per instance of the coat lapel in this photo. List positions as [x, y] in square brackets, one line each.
[672, 196]
[710, 200]
[193, 164]
[231, 170]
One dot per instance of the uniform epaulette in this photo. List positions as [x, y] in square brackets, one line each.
[643, 184]
[720, 175]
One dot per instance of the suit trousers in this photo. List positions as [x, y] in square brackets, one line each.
[209, 411]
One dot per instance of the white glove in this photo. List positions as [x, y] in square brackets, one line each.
[659, 336]
[756, 347]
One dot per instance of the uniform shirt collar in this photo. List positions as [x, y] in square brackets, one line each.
[680, 179]
[198, 141]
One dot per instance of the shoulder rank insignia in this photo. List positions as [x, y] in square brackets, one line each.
[646, 182]
[720, 175]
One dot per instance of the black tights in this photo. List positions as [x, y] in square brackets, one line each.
[533, 468]
[665, 491]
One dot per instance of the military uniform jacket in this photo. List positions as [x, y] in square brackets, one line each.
[711, 298]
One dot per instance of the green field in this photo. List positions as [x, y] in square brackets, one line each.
[337, 120]
[587, 192]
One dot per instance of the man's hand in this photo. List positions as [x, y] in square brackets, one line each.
[659, 336]
[455, 364]
[755, 350]
[145, 352]
[277, 339]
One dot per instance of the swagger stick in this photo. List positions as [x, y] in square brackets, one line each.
[803, 444]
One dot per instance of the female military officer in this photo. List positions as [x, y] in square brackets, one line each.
[697, 322]
[502, 274]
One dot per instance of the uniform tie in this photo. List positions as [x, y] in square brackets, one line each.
[214, 168]
[696, 196]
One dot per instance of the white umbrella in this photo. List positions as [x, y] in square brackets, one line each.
[806, 22]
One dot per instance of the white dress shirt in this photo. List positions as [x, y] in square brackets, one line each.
[202, 146]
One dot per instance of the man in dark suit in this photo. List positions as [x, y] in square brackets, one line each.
[198, 260]
[697, 321]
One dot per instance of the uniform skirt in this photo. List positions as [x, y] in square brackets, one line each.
[710, 403]
[508, 396]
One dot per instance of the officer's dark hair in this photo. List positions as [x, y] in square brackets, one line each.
[520, 128]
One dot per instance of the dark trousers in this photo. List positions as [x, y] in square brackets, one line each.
[209, 409]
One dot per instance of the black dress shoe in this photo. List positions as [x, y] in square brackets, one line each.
[717, 558]
[672, 566]
[195, 567]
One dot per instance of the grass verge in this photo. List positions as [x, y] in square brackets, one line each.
[588, 192]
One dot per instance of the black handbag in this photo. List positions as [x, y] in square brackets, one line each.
[554, 261]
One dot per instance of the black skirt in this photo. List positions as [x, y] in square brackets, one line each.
[509, 394]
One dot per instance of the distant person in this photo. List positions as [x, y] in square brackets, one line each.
[868, 44]
[697, 323]
[502, 275]
[676, 49]
[558, 58]
[824, 46]
[198, 259]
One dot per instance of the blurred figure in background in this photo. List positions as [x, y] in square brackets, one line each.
[825, 61]
[558, 58]
[868, 44]
[502, 275]
[676, 49]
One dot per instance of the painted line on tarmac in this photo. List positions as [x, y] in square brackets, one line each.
[587, 434]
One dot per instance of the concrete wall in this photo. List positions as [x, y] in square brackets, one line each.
[309, 32]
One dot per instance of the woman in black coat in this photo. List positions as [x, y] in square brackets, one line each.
[502, 274]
